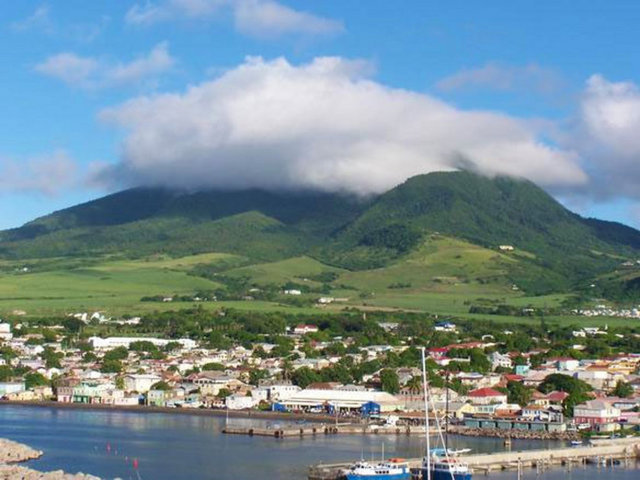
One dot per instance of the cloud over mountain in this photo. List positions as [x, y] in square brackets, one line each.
[608, 126]
[323, 125]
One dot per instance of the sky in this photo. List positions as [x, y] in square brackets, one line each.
[338, 95]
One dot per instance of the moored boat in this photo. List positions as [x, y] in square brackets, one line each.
[385, 470]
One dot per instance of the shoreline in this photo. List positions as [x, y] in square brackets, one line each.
[204, 412]
[292, 417]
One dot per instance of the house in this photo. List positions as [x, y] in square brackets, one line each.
[240, 402]
[7, 388]
[486, 396]
[140, 383]
[597, 413]
[303, 329]
[566, 363]
[292, 292]
[5, 332]
[445, 327]
[502, 360]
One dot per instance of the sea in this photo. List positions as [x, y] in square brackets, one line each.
[165, 446]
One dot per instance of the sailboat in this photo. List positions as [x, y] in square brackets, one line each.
[393, 469]
[439, 463]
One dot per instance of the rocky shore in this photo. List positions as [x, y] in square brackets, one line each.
[13, 452]
[519, 434]
[15, 472]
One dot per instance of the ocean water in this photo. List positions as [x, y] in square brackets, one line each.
[185, 447]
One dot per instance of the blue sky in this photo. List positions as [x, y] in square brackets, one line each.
[341, 95]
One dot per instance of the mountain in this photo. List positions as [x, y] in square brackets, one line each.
[554, 249]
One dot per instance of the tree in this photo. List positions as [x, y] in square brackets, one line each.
[304, 376]
[6, 373]
[161, 385]
[223, 393]
[111, 366]
[213, 366]
[142, 346]
[35, 379]
[623, 389]
[118, 353]
[256, 375]
[120, 383]
[389, 381]
[518, 393]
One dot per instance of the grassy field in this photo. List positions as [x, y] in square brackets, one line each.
[297, 270]
[445, 276]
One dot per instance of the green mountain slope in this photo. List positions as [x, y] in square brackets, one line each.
[554, 249]
[487, 212]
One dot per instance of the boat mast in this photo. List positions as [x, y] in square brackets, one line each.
[426, 412]
[446, 418]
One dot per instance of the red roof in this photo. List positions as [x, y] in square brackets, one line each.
[485, 392]
[512, 377]
[557, 396]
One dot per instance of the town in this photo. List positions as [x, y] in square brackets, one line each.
[529, 380]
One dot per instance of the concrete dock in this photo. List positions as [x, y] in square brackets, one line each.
[622, 450]
[325, 429]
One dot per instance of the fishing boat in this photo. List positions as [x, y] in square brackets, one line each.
[393, 469]
[439, 463]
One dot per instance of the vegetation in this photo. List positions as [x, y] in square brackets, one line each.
[430, 244]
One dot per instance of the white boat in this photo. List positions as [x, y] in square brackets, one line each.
[385, 470]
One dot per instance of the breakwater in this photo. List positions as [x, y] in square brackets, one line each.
[623, 450]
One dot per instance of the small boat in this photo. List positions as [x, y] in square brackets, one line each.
[576, 443]
[390, 470]
[446, 469]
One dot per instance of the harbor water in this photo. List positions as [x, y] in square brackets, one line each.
[177, 447]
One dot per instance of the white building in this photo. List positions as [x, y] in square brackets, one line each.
[5, 331]
[240, 402]
[277, 393]
[342, 400]
[500, 360]
[140, 383]
[114, 342]
[303, 329]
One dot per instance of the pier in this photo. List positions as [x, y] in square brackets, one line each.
[324, 429]
[603, 453]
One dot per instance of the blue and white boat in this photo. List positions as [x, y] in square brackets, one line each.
[445, 469]
[386, 470]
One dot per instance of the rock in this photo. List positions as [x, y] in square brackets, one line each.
[13, 452]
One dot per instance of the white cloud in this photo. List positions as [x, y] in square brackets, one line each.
[607, 135]
[259, 18]
[49, 174]
[267, 18]
[91, 73]
[497, 76]
[70, 68]
[39, 20]
[322, 125]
